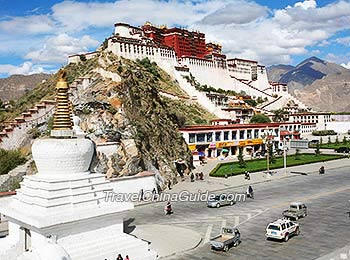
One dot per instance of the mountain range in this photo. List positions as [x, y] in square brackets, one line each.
[15, 86]
[322, 85]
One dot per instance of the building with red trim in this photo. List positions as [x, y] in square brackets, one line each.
[184, 42]
[224, 138]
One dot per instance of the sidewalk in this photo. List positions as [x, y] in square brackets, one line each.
[216, 183]
[167, 240]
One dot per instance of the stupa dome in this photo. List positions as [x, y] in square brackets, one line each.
[62, 156]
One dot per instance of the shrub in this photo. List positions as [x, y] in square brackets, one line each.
[342, 149]
[324, 132]
[82, 57]
[10, 160]
[34, 133]
[260, 118]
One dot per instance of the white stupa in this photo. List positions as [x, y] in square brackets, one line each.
[61, 212]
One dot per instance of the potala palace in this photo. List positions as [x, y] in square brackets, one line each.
[187, 57]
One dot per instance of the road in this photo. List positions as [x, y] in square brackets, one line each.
[325, 229]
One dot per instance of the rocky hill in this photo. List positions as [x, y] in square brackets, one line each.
[319, 84]
[331, 93]
[135, 105]
[305, 73]
[275, 72]
[15, 86]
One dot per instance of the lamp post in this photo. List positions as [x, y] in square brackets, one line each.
[285, 155]
[267, 142]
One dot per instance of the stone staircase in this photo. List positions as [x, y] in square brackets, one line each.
[252, 87]
[16, 131]
[199, 96]
[100, 247]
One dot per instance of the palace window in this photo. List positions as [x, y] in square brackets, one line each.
[256, 133]
[192, 138]
[249, 134]
[200, 138]
[209, 137]
[217, 136]
[241, 134]
[226, 135]
[234, 135]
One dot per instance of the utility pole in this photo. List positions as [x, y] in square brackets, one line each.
[285, 155]
[268, 156]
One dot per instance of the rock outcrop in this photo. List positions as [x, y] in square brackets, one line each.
[122, 106]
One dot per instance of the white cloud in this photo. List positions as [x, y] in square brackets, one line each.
[347, 66]
[306, 4]
[34, 24]
[237, 12]
[344, 41]
[245, 28]
[78, 15]
[26, 68]
[286, 32]
[57, 48]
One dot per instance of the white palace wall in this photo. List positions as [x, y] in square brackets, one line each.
[164, 57]
[208, 73]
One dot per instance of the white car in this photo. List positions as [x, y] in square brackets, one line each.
[282, 229]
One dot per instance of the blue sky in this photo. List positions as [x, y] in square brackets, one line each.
[37, 36]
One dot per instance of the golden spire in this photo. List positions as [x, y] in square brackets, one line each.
[62, 118]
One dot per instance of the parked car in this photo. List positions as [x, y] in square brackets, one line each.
[296, 210]
[282, 229]
[229, 237]
[219, 200]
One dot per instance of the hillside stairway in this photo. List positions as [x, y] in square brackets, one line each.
[198, 96]
[16, 131]
[252, 87]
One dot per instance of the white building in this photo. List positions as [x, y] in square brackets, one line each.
[321, 119]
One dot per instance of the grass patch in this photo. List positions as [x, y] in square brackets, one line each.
[233, 168]
[334, 145]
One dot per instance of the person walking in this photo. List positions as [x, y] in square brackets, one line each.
[201, 176]
[169, 185]
[127, 257]
[250, 192]
[119, 257]
[192, 177]
[246, 175]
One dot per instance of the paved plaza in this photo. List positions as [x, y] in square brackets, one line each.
[324, 230]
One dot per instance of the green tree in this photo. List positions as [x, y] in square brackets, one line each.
[260, 118]
[259, 100]
[279, 115]
[297, 154]
[344, 141]
[241, 161]
[329, 140]
[82, 57]
[317, 150]
[272, 158]
[336, 140]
